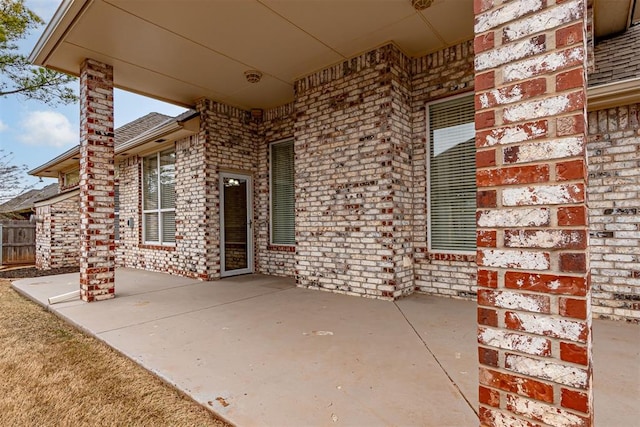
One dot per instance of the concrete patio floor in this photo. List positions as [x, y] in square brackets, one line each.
[259, 351]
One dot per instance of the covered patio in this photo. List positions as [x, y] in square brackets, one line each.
[255, 349]
[380, 149]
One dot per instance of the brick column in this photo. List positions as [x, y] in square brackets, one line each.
[534, 310]
[97, 248]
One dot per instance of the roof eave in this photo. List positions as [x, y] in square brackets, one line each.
[175, 129]
[56, 198]
[63, 19]
[51, 164]
[614, 94]
[170, 129]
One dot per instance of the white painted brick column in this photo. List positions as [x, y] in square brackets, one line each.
[97, 247]
[534, 311]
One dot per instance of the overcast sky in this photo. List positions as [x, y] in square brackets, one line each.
[36, 133]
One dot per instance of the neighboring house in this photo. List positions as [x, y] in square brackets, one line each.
[330, 142]
[58, 216]
[17, 232]
[21, 207]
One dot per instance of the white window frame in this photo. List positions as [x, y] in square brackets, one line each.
[271, 242]
[428, 175]
[159, 210]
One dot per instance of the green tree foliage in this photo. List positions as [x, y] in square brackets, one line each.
[17, 75]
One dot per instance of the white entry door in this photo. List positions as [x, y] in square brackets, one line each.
[236, 225]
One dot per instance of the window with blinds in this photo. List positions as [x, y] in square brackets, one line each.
[282, 194]
[159, 198]
[452, 175]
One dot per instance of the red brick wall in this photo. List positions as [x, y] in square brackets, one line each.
[533, 284]
[43, 237]
[97, 249]
[65, 233]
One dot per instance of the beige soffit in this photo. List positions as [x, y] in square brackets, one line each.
[181, 51]
[52, 167]
[613, 94]
[612, 16]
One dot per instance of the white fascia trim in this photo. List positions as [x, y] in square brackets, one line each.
[614, 94]
[58, 198]
[64, 18]
[146, 137]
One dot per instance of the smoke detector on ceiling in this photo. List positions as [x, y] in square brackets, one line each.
[253, 76]
[421, 4]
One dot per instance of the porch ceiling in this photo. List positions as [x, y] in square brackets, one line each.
[180, 51]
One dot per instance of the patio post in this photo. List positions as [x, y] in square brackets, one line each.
[97, 247]
[534, 311]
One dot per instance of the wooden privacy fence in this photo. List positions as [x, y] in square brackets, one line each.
[17, 242]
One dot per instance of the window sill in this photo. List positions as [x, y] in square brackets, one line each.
[281, 248]
[451, 257]
[158, 247]
[69, 187]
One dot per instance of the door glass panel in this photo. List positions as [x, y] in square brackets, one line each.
[235, 224]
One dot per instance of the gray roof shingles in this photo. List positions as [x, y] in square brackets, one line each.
[617, 58]
[25, 201]
[132, 129]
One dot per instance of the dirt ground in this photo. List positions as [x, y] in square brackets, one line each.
[22, 272]
[52, 374]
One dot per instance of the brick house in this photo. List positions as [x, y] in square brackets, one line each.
[58, 216]
[21, 206]
[334, 142]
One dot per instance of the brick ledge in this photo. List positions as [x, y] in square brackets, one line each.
[158, 247]
[281, 248]
[451, 257]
